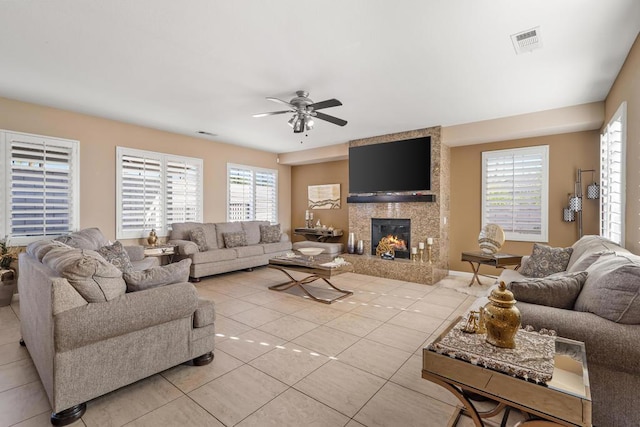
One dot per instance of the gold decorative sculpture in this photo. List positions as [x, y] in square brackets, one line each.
[385, 246]
[153, 238]
[502, 318]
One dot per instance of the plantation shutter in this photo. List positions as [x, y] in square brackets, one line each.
[252, 194]
[515, 188]
[183, 190]
[42, 187]
[265, 196]
[141, 195]
[240, 190]
[612, 177]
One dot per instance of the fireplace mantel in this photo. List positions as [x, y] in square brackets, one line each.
[392, 198]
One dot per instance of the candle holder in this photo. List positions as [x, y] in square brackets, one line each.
[421, 254]
[429, 252]
[414, 257]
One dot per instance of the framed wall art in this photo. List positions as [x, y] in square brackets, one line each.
[324, 196]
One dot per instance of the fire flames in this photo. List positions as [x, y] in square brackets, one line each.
[397, 243]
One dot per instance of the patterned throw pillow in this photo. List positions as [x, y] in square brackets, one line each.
[545, 260]
[270, 233]
[117, 255]
[198, 237]
[235, 239]
[559, 290]
[161, 275]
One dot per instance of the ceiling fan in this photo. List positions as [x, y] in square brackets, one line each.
[304, 111]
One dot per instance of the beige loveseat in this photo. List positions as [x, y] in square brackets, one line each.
[205, 245]
[605, 315]
[87, 336]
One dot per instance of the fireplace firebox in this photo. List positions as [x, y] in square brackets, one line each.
[397, 230]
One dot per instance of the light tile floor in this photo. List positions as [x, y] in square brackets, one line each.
[280, 360]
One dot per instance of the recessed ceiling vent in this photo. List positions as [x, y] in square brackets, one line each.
[526, 41]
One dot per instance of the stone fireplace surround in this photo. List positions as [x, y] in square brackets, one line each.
[429, 218]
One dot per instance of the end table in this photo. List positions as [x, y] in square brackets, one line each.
[498, 260]
[7, 286]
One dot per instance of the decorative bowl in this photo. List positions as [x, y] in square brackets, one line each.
[311, 251]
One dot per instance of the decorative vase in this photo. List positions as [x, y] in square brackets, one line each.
[502, 318]
[360, 247]
[153, 238]
[351, 243]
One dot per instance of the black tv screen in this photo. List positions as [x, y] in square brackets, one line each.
[389, 167]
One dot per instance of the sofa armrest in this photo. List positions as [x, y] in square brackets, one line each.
[524, 261]
[607, 343]
[185, 247]
[131, 312]
[284, 237]
[135, 252]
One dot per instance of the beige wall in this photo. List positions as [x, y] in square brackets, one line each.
[567, 153]
[627, 88]
[98, 140]
[319, 174]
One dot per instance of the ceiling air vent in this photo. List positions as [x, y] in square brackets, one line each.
[526, 41]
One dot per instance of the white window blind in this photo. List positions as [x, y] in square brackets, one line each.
[251, 193]
[156, 190]
[40, 187]
[515, 192]
[612, 177]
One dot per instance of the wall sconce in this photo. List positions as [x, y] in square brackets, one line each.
[574, 210]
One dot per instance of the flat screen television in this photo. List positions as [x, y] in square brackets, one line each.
[391, 167]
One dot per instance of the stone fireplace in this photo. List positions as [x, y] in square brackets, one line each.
[397, 230]
[427, 213]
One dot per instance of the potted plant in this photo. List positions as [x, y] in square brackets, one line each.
[7, 286]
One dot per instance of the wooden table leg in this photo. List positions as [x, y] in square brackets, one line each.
[311, 278]
[475, 267]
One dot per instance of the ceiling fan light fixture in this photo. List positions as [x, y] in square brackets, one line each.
[298, 126]
[309, 123]
[292, 120]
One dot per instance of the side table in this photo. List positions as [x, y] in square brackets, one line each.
[498, 260]
[7, 286]
[161, 250]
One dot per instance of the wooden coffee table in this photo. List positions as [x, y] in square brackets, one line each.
[565, 400]
[315, 268]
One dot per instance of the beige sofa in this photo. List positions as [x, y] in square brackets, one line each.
[87, 336]
[214, 256]
[605, 316]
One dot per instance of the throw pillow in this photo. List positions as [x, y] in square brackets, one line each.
[545, 260]
[169, 274]
[270, 233]
[235, 239]
[198, 237]
[558, 290]
[117, 255]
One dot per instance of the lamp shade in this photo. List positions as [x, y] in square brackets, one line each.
[593, 191]
[575, 203]
[568, 215]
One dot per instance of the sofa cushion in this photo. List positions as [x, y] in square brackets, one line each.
[252, 228]
[117, 255]
[180, 230]
[226, 227]
[96, 279]
[270, 233]
[196, 235]
[587, 259]
[612, 290]
[214, 255]
[247, 251]
[270, 248]
[89, 238]
[545, 260]
[235, 239]
[590, 244]
[558, 290]
[39, 248]
[210, 234]
[169, 274]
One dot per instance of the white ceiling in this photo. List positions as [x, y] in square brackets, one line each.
[395, 65]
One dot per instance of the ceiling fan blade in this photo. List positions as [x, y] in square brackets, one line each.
[328, 118]
[272, 113]
[280, 101]
[325, 104]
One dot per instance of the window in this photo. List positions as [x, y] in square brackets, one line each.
[515, 192]
[156, 190]
[251, 193]
[612, 176]
[39, 187]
